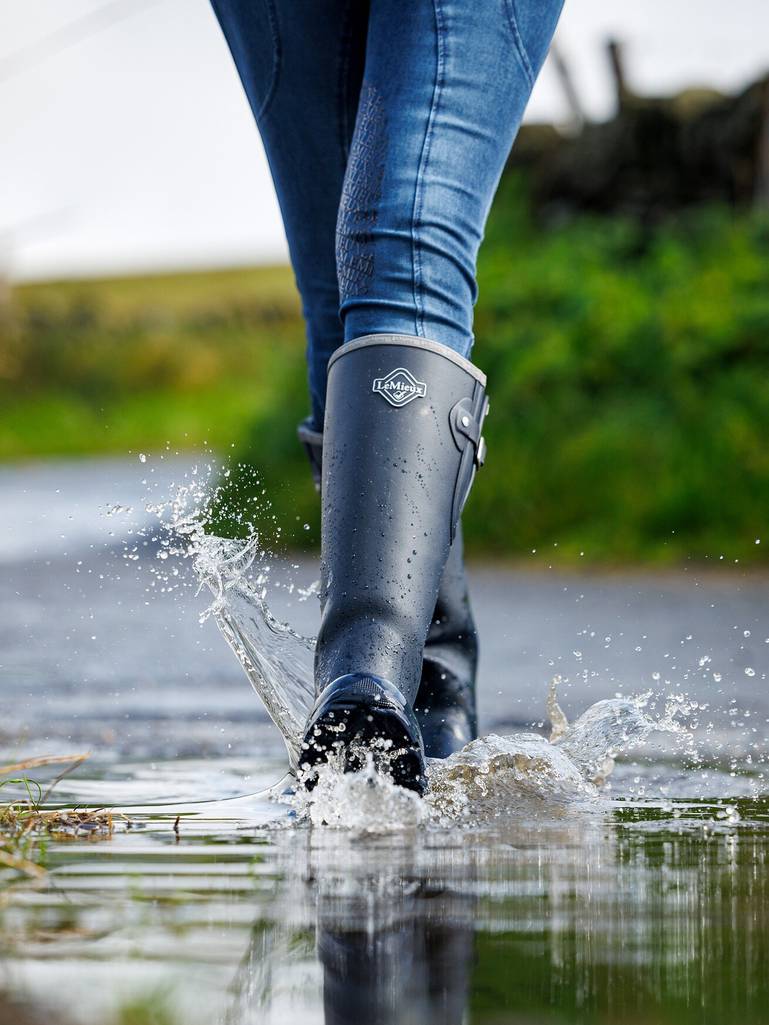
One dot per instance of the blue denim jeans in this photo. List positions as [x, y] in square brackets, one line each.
[386, 126]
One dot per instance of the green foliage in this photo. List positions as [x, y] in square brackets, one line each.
[628, 374]
[109, 366]
[630, 394]
[629, 379]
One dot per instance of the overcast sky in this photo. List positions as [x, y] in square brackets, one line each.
[127, 144]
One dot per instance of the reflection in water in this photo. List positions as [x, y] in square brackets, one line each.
[627, 913]
[663, 922]
[415, 971]
[645, 914]
[393, 948]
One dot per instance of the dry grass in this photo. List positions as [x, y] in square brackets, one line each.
[25, 825]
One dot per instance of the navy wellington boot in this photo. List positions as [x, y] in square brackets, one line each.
[445, 705]
[401, 443]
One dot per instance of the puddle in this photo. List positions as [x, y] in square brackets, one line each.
[532, 885]
[640, 912]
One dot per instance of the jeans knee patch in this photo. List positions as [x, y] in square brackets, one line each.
[361, 195]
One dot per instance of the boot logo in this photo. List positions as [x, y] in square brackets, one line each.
[400, 387]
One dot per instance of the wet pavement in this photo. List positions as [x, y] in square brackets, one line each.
[653, 909]
[92, 651]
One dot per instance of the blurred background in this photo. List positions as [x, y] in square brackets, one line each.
[146, 303]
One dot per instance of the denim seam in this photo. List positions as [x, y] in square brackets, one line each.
[272, 17]
[419, 324]
[343, 82]
[523, 57]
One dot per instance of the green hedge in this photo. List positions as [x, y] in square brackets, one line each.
[628, 372]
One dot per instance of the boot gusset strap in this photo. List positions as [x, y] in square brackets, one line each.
[466, 426]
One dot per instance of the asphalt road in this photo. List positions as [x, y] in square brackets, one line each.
[92, 654]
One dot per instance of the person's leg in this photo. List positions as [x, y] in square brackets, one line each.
[444, 91]
[301, 64]
[446, 84]
[301, 69]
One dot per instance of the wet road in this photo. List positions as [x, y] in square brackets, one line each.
[96, 652]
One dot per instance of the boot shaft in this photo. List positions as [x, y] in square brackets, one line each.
[401, 443]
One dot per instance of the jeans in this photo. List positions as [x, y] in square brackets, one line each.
[386, 125]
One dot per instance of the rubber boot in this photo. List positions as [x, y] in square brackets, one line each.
[402, 441]
[445, 705]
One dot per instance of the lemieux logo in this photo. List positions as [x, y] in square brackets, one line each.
[400, 387]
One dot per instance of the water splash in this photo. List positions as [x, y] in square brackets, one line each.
[487, 778]
[276, 659]
[490, 777]
[364, 802]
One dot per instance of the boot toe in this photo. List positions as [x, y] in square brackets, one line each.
[360, 715]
